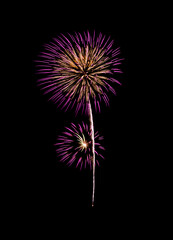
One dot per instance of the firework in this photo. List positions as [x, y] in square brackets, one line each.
[74, 146]
[79, 73]
[79, 68]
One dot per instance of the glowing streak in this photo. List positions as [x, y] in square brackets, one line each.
[93, 148]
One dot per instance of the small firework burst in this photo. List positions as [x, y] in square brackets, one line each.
[74, 146]
[79, 68]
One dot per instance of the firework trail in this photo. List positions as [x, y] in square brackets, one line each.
[74, 146]
[79, 69]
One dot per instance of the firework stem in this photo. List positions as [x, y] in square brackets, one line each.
[93, 147]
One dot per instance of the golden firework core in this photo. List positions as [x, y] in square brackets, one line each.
[84, 144]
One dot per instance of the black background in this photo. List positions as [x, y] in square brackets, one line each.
[48, 191]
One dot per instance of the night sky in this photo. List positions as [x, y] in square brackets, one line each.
[48, 187]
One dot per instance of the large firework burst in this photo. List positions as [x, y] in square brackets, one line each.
[79, 68]
[74, 146]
